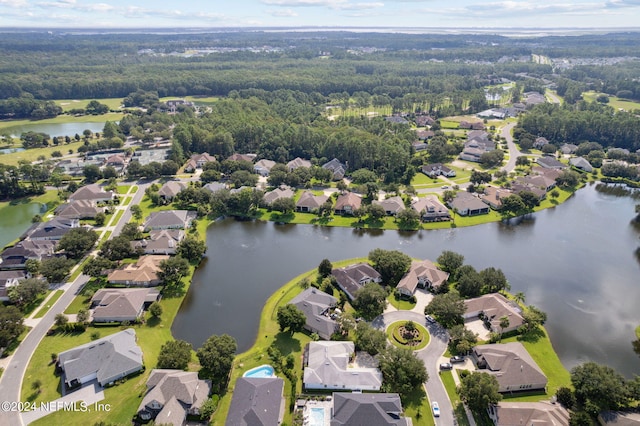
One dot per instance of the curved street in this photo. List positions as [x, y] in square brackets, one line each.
[430, 356]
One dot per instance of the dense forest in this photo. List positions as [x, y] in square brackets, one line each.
[45, 66]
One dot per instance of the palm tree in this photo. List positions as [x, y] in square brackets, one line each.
[504, 323]
[519, 297]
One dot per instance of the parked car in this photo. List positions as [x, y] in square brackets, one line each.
[430, 319]
[436, 409]
[446, 366]
[445, 186]
[457, 358]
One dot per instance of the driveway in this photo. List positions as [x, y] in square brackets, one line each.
[430, 356]
[82, 399]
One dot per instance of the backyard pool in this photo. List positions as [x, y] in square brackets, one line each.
[264, 371]
[316, 417]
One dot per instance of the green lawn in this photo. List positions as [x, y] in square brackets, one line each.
[423, 333]
[114, 220]
[69, 104]
[541, 350]
[82, 300]
[123, 189]
[32, 155]
[54, 298]
[458, 407]
[614, 101]
[638, 332]
[400, 304]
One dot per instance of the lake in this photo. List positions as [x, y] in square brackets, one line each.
[56, 129]
[576, 262]
[15, 220]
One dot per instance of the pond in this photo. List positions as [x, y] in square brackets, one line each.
[56, 129]
[576, 262]
[15, 220]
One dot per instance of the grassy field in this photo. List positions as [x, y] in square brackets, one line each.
[31, 155]
[400, 304]
[52, 300]
[614, 101]
[423, 332]
[69, 104]
[110, 116]
[458, 408]
[638, 332]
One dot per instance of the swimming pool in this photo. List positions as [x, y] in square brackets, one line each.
[316, 417]
[264, 371]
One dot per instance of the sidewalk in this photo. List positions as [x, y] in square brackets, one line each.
[456, 379]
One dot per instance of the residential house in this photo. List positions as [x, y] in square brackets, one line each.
[368, 409]
[478, 125]
[263, 167]
[197, 161]
[75, 166]
[105, 360]
[80, 209]
[148, 156]
[397, 119]
[242, 157]
[423, 274]
[492, 308]
[282, 192]
[493, 196]
[477, 144]
[431, 209]
[436, 169]
[419, 145]
[392, 205]
[528, 413]
[257, 401]
[550, 163]
[170, 189]
[347, 203]
[215, 186]
[16, 257]
[310, 203]
[121, 304]
[336, 167]
[329, 365]
[517, 188]
[143, 273]
[424, 120]
[533, 98]
[425, 134]
[549, 173]
[298, 162]
[93, 193]
[54, 229]
[317, 306]
[467, 204]
[351, 278]
[511, 365]
[10, 279]
[116, 161]
[540, 142]
[581, 163]
[172, 395]
[169, 219]
[162, 241]
[568, 148]
[619, 418]
[543, 182]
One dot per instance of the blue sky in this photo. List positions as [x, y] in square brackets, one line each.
[338, 13]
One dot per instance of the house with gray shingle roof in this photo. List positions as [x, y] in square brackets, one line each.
[170, 189]
[347, 203]
[215, 186]
[105, 360]
[437, 169]
[169, 219]
[550, 163]
[309, 203]
[492, 307]
[467, 204]
[9, 279]
[15, 257]
[316, 306]
[162, 241]
[54, 229]
[581, 163]
[197, 161]
[276, 194]
[298, 162]
[392, 206]
[351, 278]
[370, 409]
[172, 395]
[256, 401]
[431, 209]
[93, 193]
[511, 365]
[336, 167]
[329, 366]
[121, 304]
[263, 167]
[79, 209]
[507, 413]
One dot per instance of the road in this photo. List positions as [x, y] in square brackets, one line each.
[11, 380]
[430, 356]
[514, 152]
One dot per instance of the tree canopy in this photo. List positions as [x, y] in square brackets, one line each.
[402, 371]
[479, 390]
[291, 317]
[370, 300]
[175, 354]
[391, 264]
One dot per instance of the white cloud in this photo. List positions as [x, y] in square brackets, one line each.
[305, 3]
[284, 13]
[362, 6]
[14, 3]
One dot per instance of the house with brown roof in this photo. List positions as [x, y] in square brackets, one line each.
[347, 203]
[79, 209]
[93, 193]
[511, 365]
[537, 180]
[143, 273]
[431, 209]
[263, 167]
[529, 413]
[282, 192]
[392, 205]
[169, 219]
[297, 163]
[197, 161]
[310, 203]
[493, 196]
[317, 306]
[424, 120]
[518, 187]
[172, 395]
[121, 304]
[105, 360]
[491, 308]
[423, 274]
[116, 160]
[436, 169]
[170, 189]
[162, 241]
[540, 142]
[242, 157]
[467, 204]
[351, 278]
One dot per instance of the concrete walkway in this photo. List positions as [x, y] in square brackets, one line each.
[83, 399]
